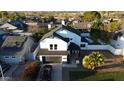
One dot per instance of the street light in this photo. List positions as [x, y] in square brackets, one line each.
[2, 73]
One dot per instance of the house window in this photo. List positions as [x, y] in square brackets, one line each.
[6, 57]
[51, 47]
[55, 46]
[82, 45]
[13, 56]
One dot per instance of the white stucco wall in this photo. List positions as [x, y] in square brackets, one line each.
[67, 34]
[119, 43]
[113, 50]
[40, 58]
[64, 58]
[61, 45]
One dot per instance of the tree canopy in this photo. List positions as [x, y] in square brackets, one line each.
[14, 16]
[103, 31]
[96, 30]
[4, 14]
[40, 32]
[113, 26]
[91, 16]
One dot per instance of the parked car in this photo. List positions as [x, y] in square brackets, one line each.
[47, 70]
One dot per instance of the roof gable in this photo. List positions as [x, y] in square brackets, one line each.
[8, 26]
[60, 27]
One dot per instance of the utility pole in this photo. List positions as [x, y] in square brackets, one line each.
[2, 73]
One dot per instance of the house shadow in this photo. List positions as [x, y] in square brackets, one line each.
[88, 73]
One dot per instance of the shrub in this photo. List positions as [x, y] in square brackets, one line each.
[93, 60]
[31, 71]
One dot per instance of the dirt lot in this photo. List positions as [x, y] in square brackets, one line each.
[32, 28]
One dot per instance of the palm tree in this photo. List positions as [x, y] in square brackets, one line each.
[92, 61]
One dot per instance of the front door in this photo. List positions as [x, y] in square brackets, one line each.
[43, 59]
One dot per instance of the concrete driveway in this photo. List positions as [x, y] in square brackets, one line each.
[57, 72]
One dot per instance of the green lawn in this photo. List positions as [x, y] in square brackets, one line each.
[95, 76]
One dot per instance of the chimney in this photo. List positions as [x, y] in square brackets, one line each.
[49, 26]
[63, 22]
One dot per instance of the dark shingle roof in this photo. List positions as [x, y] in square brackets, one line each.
[63, 38]
[83, 39]
[19, 24]
[52, 33]
[73, 46]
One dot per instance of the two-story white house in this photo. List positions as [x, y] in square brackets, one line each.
[56, 45]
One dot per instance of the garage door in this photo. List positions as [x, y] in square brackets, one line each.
[53, 59]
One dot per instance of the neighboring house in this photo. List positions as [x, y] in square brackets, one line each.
[8, 26]
[58, 44]
[19, 24]
[82, 26]
[14, 26]
[16, 49]
[31, 21]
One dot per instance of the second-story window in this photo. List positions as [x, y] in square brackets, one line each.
[55, 46]
[51, 46]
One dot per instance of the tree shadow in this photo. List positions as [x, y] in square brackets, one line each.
[108, 79]
[81, 75]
